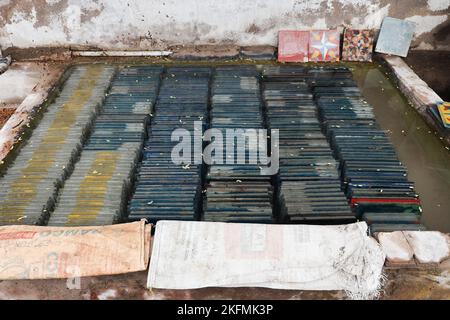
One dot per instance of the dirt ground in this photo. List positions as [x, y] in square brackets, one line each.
[433, 283]
[434, 68]
[5, 113]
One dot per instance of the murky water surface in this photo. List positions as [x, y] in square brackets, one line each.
[426, 158]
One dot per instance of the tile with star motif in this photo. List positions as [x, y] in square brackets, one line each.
[293, 46]
[357, 45]
[324, 45]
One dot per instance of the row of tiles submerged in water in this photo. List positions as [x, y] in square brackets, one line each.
[95, 157]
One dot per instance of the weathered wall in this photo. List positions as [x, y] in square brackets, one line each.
[157, 24]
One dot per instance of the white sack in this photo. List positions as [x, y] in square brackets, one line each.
[191, 254]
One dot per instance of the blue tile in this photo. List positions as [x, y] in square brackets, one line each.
[395, 36]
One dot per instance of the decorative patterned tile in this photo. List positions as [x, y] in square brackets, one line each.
[358, 45]
[293, 46]
[395, 36]
[444, 111]
[324, 45]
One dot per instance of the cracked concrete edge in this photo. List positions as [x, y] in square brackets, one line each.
[417, 92]
[4, 63]
[179, 52]
[44, 91]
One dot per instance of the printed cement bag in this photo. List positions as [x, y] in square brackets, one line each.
[190, 254]
[32, 252]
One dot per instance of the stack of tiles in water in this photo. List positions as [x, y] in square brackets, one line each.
[374, 179]
[309, 185]
[97, 191]
[30, 185]
[166, 189]
[236, 191]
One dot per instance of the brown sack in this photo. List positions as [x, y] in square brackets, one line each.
[32, 252]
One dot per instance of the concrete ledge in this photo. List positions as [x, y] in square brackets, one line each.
[46, 87]
[5, 114]
[225, 52]
[414, 249]
[39, 54]
[258, 52]
[420, 95]
[205, 52]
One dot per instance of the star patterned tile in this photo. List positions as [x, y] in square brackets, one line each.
[324, 45]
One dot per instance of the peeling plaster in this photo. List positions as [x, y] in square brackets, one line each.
[427, 23]
[373, 19]
[319, 24]
[437, 5]
[29, 33]
[154, 24]
[425, 46]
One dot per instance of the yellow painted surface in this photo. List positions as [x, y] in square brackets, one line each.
[444, 110]
[95, 183]
[43, 158]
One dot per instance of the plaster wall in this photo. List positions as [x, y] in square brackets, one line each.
[158, 24]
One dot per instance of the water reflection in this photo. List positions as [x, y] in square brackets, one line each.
[420, 150]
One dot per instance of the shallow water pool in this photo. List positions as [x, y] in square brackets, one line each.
[417, 146]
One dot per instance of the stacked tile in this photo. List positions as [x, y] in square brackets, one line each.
[310, 189]
[235, 191]
[96, 192]
[164, 189]
[375, 181]
[30, 186]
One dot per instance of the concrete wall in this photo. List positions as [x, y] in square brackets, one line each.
[157, 24]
